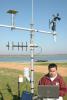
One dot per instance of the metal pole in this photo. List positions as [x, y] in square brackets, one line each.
[18, 90]
[12, 23]
[32, 54]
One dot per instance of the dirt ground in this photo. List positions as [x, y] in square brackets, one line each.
[42, 69]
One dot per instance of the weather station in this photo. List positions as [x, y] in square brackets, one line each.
[32, 30]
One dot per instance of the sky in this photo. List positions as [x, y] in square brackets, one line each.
[42, 12]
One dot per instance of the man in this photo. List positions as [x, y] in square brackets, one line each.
[53, 78]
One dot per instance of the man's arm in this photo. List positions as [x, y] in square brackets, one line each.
[63, 87]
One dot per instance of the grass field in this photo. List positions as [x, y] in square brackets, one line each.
[9, 84]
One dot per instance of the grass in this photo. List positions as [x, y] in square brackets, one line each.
[9, 84]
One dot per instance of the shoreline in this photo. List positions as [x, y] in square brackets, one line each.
[37, 58]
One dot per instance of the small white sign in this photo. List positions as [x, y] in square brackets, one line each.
[20, 78]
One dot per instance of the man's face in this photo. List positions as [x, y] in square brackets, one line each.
[52, 72]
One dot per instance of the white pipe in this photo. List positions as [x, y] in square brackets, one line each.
[26, 29]
[12, 22]
[32, 54]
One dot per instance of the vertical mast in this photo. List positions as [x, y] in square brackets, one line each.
[32, 53]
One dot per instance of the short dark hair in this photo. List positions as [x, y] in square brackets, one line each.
[52, 65]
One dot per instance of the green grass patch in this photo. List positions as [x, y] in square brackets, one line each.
[9, 84]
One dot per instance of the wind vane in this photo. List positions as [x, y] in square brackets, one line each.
[52, 24]
[32, 30]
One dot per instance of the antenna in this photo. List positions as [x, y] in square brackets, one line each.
[17, 46]
[8, 45]
[32, 30]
